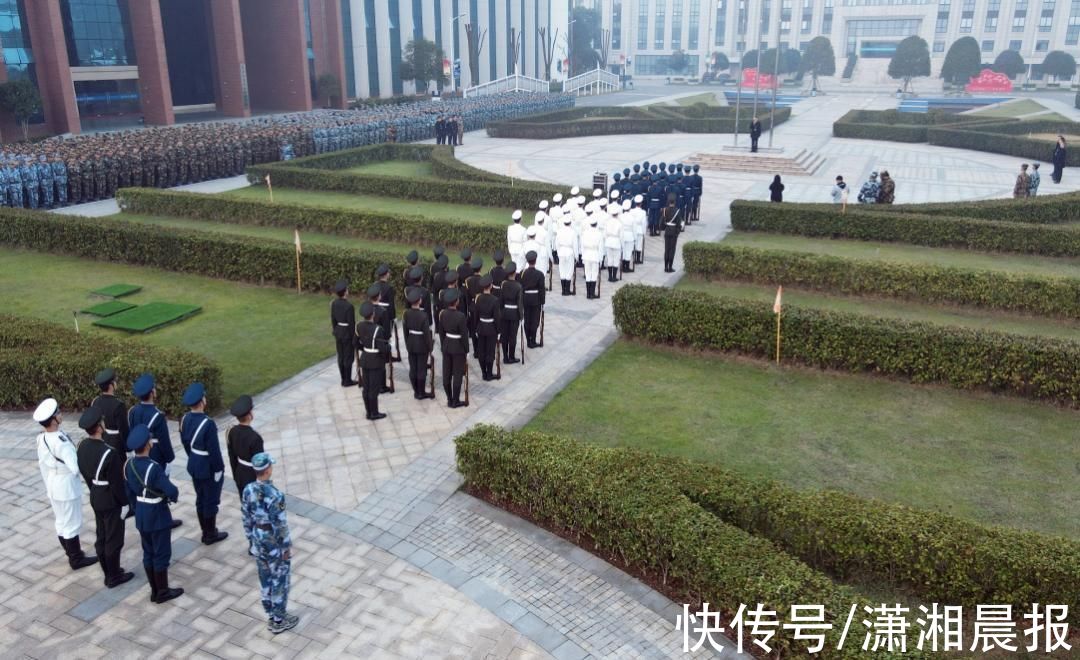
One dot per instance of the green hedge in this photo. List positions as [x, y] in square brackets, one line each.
[875, 224]
[581, 122]
[1033, 367]
[39, 359]
[1008, 138]
[212, 254]
[1032, 294]
[376, 226]
[1044, 209]
[626, 504]
[896, 126]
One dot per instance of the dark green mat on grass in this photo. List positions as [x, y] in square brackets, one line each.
[108, 308]
[148, 317]
[117, 290]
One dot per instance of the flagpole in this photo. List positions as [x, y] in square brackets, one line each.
[778, 308]
[270, 187]
[778, 338]
[296, 235]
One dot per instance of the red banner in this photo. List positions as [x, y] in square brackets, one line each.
[750, 78]
[989, 81]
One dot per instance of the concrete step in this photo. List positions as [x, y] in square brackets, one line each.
[802, 163]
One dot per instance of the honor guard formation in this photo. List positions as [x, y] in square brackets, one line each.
[61, 170]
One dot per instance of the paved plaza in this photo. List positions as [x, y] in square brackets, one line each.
[391, 559]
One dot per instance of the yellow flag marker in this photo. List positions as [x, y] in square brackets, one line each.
[777, 308]
[296, 240]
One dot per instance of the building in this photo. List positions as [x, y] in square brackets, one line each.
[103, 62]
[644, 33]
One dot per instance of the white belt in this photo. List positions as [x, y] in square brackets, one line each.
[344, 324]
[99, 483]
[108, 430]
[416, 332]
[510, 306]
[244, 463]
[453, 336]
[148, 500]
[487, 320]
[382, 304]
[532, 290]
[199, 452]
[371, 350]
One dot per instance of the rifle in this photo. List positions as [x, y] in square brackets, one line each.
[466, 379]
[551, 269]
[621, 260]
[522, 328]
[359, 371]
[431, 367]
[498, 359]
[599, 269]
[542, 325]
[573, 280]
[391, 376]
[397, 346]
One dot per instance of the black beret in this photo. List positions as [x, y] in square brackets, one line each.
[466, 253]
[341, 286]
[412, 295]
[499, 256]
[451, 295]
[412, 257]
[90, 418]
[383, 269]
[416, 273]
[485, 281]
[366, 310]
[439, 251]
[374, 291]
[442, 261]
[530, 256]
[241, 406]
[511, 267]
[104, 377]
[477, 264]
[451, 277]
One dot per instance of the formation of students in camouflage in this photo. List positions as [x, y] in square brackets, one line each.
[61, 171]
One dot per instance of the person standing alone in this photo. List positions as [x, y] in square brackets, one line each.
[755, 134]
[776, 190]
[267, 531]
[1059, 158]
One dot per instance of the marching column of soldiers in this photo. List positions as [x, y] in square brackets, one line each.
[61, 171]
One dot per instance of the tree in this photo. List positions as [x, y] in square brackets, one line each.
[329, 88]
[475, 39]
[911, 60]
[586, 40]
[1059, 64]
[547, 44]
[962, 62]
[719, 62]
[819, 60]
[677, 62]
[790, 60]
[422, 61]
[749, 59]
[1009, 62]
[22, 100]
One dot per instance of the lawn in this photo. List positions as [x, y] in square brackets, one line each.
[258, 335]
[456, 212]
[708, 98]
[900, 252]
[409, 169]
[1011, 109]
[889, 308]
[992, 459]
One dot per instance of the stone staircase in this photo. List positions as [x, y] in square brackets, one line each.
[804, 163]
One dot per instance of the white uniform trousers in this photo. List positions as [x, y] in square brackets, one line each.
[592, 270]
[566, 267]
[613, 255]
[68, 515]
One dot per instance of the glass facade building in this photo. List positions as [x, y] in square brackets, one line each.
[98, 32]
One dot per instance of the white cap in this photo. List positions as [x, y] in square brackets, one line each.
[517, 215]
[614, 209]
[580, 199]
[566, 221]
[531, 231]
[539, 217]
[601, 203]
[614, 194]
[638, 199]
[626, 205]
[557, 198]
[574, 191]
[46, 409]
[543, 204]
[596, 192]
[592, 221]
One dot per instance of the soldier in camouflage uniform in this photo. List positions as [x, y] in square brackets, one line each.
[28, 174]
[15, 186]
[60, 176]
[267, 531]
[45, 177]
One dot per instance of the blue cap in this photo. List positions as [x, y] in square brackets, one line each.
[194, 394]
[261, 461]
[144, 384]
[138, 437]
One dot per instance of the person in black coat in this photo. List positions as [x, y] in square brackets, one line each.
[419, 341]
[776, 190]
[243, 442]
[671, 222]
[486, 318]
[454, 339]
[102, 467]
[755, 133]
[342, 322]
[1059, 159]
[374, 347]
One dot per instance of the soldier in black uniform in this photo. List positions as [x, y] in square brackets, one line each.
[512, 304]
[454, 338]
[498, 272]
[439, 253]
[410, 263]
[387, 300]
[381, 318]
[534, 294]
[102, 468]
[342, 322]
[113, 412]
[243, 442]
[472, 290]
[672, 225]
[437, 282]
[450, 282]
[374, 348]
[464, 271]
[486, 321]
[419, 341]
[414, 279]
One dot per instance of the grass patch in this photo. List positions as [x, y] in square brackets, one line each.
[117, 290]
[145, 318]
[108, 308]
[373, 203]
[1011, 109]
[897, 252]
[257, 335]
[708, 99]
[890, 308]
[410, 169]
[991, 459]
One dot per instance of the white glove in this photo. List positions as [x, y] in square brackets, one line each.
[218, 475]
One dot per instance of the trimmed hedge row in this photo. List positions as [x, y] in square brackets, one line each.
[39, 359]
[1033, 294]
[1032, 367]
[936, 556]
[581, 122]
[376, 226]
[874, 224]
[1007, 138]
[896, 126]
[625, 503]
[224, 256]
[372, 153]
[1044, 209]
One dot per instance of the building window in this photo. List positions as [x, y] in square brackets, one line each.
[1072, 35]
[676, 25]
[742, 19]
[764, 17]
[721, 22]
[98, 32]
[991, 21]
[1019, 18]
[658, 39]
[740, 47]
[18, 55]
[826, 18]
[616, 24]
[939, 46]
[1046, 19]
[988, 45]
[1016, 45]
[1042, 46]
[966, 21]
[695, 19]
[643, 25]
[942, 22]
[657, 65]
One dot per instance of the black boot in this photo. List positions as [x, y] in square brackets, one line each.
[116, 575]
[151, 579]
[164, 593]
[565, 287]
[76, 557]
[592, 289]
[210, 533]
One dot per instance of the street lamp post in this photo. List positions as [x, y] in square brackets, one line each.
[453, 52]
